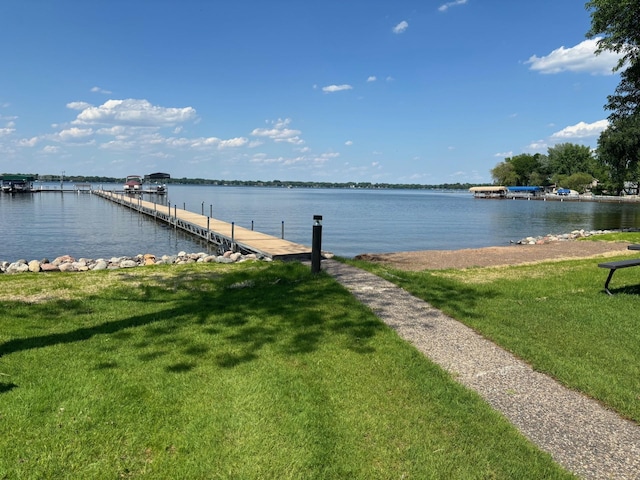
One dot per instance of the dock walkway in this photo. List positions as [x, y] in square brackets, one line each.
[223, 234]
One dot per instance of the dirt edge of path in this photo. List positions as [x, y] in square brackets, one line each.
[497, 256]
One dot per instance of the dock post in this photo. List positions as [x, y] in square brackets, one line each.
[316, 244]
[282, 233]
[252, 225]
[233, 231]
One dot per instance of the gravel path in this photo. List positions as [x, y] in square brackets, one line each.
[578, 432]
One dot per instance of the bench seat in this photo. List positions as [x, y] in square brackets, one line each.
[613, 266]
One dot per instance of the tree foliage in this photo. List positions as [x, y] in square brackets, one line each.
[617, 25]
[562, 162]
[570, 158]
[523, 169]
[619, 152]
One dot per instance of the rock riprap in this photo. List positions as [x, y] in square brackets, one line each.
[67, 263]
[576, 234]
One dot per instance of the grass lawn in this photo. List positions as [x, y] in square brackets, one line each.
[554, 315]
[234, 371]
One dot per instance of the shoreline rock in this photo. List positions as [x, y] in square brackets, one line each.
[565, 237]
[66, 263]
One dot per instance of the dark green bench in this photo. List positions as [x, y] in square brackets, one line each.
[613, 266]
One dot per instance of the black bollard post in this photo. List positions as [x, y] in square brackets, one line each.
[233, 236]
[316, 244]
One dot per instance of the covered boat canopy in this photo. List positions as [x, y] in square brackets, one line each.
[489, 189]
[526, 189]
[157, 176]
[14, 178]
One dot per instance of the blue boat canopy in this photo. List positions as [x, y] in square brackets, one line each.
[525, 189]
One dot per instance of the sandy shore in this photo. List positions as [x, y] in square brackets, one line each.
[497, 256]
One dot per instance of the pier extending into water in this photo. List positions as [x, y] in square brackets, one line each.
[225, 236]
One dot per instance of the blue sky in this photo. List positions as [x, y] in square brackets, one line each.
[411, 91]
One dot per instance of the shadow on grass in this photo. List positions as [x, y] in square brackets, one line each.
[242, 311]
[434, 288]
[7, 387]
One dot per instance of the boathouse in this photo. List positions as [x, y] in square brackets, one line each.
[489, 191]
[17, 183]
[156, 182]
[524, 192]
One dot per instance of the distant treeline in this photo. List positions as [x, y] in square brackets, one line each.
[268, 183]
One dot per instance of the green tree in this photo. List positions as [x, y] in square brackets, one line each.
[619, 151]
[579, 182]
[617, 24]
[523, 169]
[569, 158]
[504, 174]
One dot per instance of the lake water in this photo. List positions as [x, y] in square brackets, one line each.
[48, 224]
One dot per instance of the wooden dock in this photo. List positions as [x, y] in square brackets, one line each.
[226, 236]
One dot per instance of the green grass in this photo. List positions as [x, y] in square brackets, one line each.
[554, 315]
[631, 237]
[232, 372]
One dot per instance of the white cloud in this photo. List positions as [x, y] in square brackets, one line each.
[504, 154]
[116, 131]
[401, 27]
[539, 146]
[336, 88]
[73, 134]
[28, 142]
[133, 112]
[582, 130]
[51, 149]
[371, 78]
[300, 161]
[448, 5]
[348, 143]
[8, 129]
[79, 105]
[581, 58]
[101, 90]
[279, 132]
[233, 142]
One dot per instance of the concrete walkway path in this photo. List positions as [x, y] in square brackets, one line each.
[578, 432]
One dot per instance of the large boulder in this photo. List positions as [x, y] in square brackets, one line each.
[34, 266]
